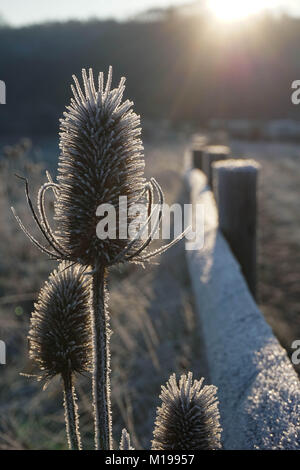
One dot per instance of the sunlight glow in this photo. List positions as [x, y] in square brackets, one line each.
[232, 10]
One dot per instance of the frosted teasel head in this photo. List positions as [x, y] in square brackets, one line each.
[60, 326]
[188, 418]
[101, 160]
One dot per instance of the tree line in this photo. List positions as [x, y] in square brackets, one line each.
[178, 67]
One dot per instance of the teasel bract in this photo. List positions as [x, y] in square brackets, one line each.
[60, 336]
[188, 418]
[125, 443]
[101, 160]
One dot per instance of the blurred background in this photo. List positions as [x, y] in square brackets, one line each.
[224, 68]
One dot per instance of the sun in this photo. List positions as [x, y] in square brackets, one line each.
[233, 10]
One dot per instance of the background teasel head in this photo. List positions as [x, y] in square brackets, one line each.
[60, 327]
[189, 417]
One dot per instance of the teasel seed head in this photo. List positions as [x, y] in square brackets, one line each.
[101, 159]
[189, 417]
[125, 441]
[60, 327]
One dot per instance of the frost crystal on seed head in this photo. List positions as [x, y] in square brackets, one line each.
[189, 417]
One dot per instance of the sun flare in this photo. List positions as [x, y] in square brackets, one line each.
[232, 10]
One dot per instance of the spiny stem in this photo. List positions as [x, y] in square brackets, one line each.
[71, 413]
[101, 376]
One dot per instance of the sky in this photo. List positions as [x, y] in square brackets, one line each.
[21, 12]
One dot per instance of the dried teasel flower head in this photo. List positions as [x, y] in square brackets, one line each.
[189, 417]
[101, 159]
[125, 443]
[60, 327]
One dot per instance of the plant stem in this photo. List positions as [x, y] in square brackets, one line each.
[71, 413]
[101, 376]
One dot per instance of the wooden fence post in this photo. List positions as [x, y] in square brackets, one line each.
[197, 155]
[199, 144]
[213, 153]
[235, 183]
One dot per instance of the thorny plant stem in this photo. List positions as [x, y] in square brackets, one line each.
[101, 375]
[71, 413]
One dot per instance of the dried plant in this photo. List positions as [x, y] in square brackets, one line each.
[101, 160]
[60, 336]
[125, 441]
[189, 417]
